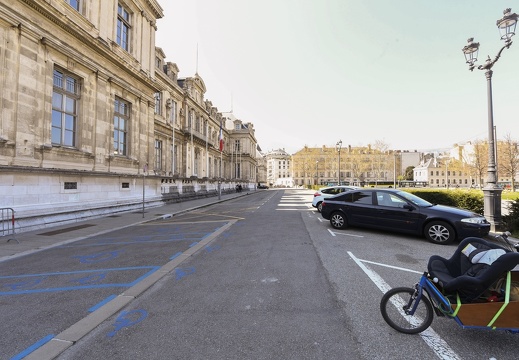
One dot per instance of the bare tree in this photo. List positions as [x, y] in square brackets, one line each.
[509, 158]
[380, 159]
[478, 161]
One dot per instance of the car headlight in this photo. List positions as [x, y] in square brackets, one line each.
[475, 220]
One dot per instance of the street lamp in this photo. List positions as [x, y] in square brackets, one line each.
[492, 193]
[338, 146]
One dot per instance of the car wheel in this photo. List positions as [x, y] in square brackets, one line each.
[439, 232]
[338, 220]
[319, 206]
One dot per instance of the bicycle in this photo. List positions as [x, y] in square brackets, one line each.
[411, 310]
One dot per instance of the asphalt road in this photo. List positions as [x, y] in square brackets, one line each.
[258, 277]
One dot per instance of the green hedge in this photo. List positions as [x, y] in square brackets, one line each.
[511, 221]
[466, 199]
[471, 200]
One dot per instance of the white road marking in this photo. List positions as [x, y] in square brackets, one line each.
[393, 267]
[429, 336]
[345, 234]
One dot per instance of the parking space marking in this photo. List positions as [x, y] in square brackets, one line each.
[101, 313]
[126, 319]
[176, 255]
[173, 221]
[142, 240]
[333, 233]
[223, 214]
[392, 267]
[26, 284]
[33, 347]
[429, 336]
[101, 303]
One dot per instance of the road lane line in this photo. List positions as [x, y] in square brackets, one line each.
[429, 336]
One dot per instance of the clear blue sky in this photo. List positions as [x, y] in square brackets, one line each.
[312, 72]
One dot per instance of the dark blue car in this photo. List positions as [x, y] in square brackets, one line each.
[395, 210]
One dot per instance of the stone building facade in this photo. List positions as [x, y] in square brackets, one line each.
[93, 116]
[360, 166]
[242, 149]
[279, 168]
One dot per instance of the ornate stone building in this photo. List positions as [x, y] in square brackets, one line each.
[242, 149]
[361, 166]
[93, 117]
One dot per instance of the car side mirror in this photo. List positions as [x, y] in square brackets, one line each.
[408, 207]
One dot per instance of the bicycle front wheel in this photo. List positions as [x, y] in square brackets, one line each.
[394, 305]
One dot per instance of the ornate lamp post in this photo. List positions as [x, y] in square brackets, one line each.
[492, 193]
[338, 147]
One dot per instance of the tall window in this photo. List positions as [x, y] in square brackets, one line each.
[65, 99]
[121, 119]
[158, 155]
[75, 4]
[173, 114]
[175, 162]
[158, 103]
[123, 27]
[197, 158]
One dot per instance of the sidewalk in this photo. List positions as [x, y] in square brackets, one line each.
[33, 241]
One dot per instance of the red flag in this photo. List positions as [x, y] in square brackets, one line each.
[220, 137]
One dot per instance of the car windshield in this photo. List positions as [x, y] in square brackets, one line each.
[414, 199]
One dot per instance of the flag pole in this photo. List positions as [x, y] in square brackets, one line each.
[220, 179]
[220, 145]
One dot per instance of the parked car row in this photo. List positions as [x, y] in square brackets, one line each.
[400, 211]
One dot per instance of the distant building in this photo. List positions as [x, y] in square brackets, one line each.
[359, 166]
[436, 173]
[243, 147]
[279, 168]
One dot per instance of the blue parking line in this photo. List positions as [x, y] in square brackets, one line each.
[78, 272]
[98, 305]
[80, 287]
[176, 255]
[33, 347]
[193, 244]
